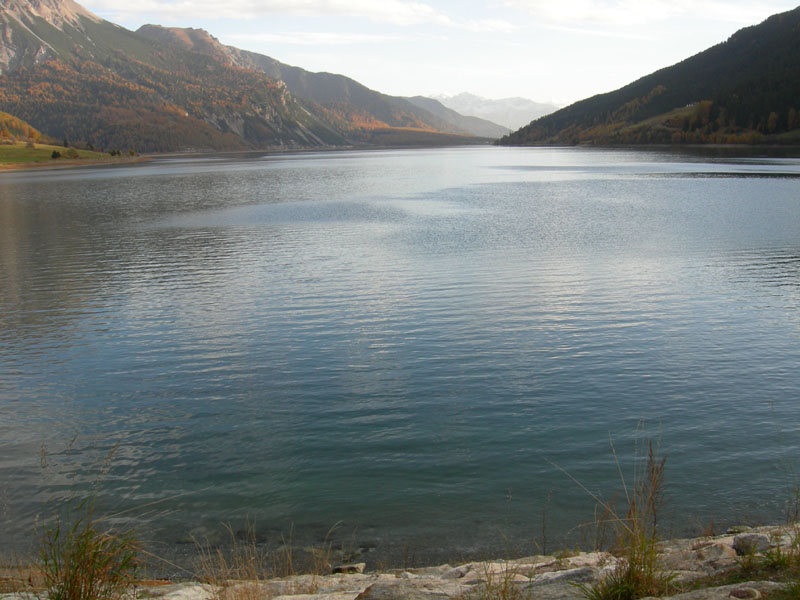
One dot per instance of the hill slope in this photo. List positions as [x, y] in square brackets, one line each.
[344, 98]
[73, 75]
[746, 89]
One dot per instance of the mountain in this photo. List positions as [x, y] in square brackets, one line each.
[744, 90]
[342, 96]
[508, 112]
[74, 75]
[475, 125]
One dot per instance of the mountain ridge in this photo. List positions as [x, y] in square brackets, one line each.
[74, 75]
[742, 90]
[327, 89]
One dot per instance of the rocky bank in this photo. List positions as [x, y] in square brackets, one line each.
[693, 563]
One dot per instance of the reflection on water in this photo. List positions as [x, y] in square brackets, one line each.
[404, 341]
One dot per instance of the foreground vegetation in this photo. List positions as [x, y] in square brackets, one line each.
[88, 560]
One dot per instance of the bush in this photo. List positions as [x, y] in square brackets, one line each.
[55, 154]
[79, 561]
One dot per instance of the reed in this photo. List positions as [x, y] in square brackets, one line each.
[635, 531]
[81, 559]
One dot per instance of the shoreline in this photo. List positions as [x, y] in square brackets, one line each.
[71, 163]
[738, 564]
[59, 163]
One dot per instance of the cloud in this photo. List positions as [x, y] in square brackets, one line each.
[395, 12]
[487, 26]
[313, 38]
[624, 13]
[600, 33]
[391, 12]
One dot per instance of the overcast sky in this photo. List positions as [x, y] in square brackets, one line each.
[545, 50]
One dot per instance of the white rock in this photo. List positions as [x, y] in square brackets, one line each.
[181, 591]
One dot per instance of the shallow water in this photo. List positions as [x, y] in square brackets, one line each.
[412, 343]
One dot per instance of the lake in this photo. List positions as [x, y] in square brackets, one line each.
[425, 348]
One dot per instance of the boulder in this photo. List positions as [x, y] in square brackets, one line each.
[182, 591]
[412, 589]
[751, 590]
[750, 543]
[579, 575]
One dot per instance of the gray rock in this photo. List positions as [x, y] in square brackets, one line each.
[411, 589]
[679, 577]
[181, 591]
[579, 575]
[751, 590]
[437, 571]
[713, 552]
[558, 591]
[456, 572]
[750, 543]
[589, 559]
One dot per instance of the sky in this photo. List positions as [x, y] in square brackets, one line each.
[546, 50]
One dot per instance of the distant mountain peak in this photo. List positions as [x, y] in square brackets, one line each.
[509, 112]
[55, 12]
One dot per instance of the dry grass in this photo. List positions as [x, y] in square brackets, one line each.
[16, 576]
[246, 570]
[634, 532]
[81, 560]
[504, 583]
[637, 574]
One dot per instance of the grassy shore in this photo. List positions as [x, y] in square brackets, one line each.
[21, 155]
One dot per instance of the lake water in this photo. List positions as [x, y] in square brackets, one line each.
[411, 344]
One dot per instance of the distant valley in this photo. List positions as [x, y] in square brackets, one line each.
[512, 113]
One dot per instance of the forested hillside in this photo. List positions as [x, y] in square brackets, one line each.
[744, 90]
[12, 128]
